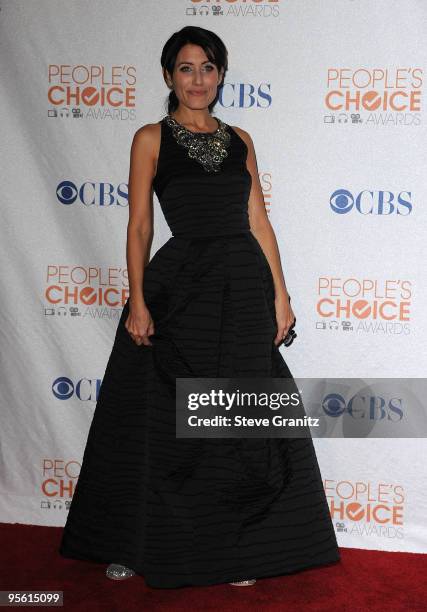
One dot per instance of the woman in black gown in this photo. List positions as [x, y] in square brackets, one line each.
[212, 302]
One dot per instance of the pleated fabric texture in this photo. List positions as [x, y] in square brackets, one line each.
[184, 512]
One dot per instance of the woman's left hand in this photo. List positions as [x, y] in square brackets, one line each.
[284, 317]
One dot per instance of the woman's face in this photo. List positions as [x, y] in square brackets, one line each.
[195, 79]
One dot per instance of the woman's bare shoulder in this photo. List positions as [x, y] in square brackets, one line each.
[146, 142]
[148, 133]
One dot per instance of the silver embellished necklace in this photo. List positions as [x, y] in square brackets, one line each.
[208, 148]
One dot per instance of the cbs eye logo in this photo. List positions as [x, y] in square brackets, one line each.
[341, 201]
[372, 407]
[63, 388]
[93, 194]
[334, 405]
[67, 192]
[368, 202]
[85, 389]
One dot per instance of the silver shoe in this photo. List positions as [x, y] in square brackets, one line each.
[244, 582]
[115, 571]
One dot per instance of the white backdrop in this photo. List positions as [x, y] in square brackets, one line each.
[332, 94]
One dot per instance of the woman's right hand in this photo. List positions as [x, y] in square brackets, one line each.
[139, 324]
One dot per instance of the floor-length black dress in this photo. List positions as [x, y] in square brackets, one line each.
[178, 511]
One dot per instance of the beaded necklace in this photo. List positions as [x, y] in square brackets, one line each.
[208, 148]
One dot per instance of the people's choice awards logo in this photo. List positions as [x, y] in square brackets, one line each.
[364, 305]
[367, 509]
[82, 291]
[94, 92]
[233, 8]
[380, 96]
[59, 479]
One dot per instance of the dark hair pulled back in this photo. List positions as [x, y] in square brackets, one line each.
[212, 45]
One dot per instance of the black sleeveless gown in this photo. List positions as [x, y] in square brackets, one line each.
[178, 511]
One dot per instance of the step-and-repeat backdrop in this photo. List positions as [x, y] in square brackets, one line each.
[332, 95]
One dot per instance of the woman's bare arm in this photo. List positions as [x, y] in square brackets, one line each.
[143, 160]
